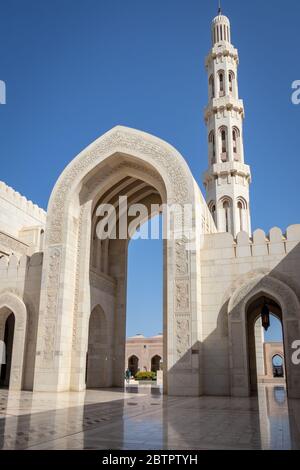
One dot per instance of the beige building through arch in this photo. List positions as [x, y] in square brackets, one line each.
[147, 351]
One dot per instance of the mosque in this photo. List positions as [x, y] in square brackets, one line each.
[63, 288]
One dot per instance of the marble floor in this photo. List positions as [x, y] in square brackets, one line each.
[142, 418]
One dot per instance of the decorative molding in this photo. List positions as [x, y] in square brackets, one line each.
[122, 141]
[52, 299]
[13, 244]
[183, 337]
[75, 339]
[182, 295]
[181, 257]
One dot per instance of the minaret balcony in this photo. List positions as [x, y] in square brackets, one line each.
[222, 49]
[224, 102]
[232, 168]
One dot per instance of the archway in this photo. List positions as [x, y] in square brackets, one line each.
[155, 363]
[13, 323]
[8, 349]
[97, 354]
[80, 270]
[257, 354]
[246, 299]
[133, 364]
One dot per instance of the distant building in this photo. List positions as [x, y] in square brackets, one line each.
[274, 366]
[144, 354]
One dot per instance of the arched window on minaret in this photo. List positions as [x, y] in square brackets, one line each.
[211, 87]
[226, 205]
[221, 84]
[242, 212]
[212, 147]
[236, 144]
[231, 78]
[212, 208]
[224, 146]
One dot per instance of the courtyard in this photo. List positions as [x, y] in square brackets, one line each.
[140, 417]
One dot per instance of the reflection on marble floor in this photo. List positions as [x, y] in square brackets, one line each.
[142, 418]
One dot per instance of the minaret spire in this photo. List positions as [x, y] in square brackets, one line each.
[228, 178]
[220, 9]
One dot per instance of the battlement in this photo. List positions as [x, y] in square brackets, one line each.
[12, 263]
[19, 201]
[260, 244]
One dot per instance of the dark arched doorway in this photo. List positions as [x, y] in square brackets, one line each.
[155, 363]
[133, 365]
[278, 366]
[7, 356]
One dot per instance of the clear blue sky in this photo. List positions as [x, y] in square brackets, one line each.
[76, 68]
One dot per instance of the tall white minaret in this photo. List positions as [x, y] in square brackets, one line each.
[227, 179]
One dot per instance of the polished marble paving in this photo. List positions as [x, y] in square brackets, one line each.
[142, 418]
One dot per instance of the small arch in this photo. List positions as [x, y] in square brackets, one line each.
[223, 138]
[212, 208]
[155, 363]
[231, 82]
[221, 76]
[236, 143]
[42, 237]
[10, 304]
[242, 207]
[133, 364]
[211, 87]
[212, 146]
[6, 356]
[278, 365]
[226, 214]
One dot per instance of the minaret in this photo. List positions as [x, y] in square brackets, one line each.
[228, 178]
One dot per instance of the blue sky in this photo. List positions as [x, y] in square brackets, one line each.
[76, 68]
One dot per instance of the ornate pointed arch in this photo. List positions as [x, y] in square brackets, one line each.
[10, 303]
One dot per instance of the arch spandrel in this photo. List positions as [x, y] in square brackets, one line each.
[163, 157]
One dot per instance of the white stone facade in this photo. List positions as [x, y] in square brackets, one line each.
[67, 289]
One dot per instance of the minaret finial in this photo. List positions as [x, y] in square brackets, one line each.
[220, 9]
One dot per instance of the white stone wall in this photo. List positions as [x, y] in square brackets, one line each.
[20, 277]
[225, 264]
[21, 223]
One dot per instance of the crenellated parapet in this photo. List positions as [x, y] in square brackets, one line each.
[20, 202]
[12, 264]
[260, 244]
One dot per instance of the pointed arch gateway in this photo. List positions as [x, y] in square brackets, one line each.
[244, 306]
[79, 270]
[13, 326]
